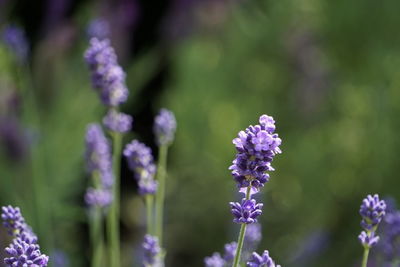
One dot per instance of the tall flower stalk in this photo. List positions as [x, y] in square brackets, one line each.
[164, 130]
[256, 148]
[108, 78]
[372, 211]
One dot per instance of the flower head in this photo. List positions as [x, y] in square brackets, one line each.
[98, 197]
[141, 162]
[117, 121]
[247, 211]
[372, 211]
[214, 261]
[23, 254]
[151, 250]
[164, 127]
[107, 76]
[263, 260]
[13, 220]
[256, 148]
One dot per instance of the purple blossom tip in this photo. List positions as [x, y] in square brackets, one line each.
[263, 260]
[151, 249]
[214, 261]
[368, 240]
[107, 76]
[13, 220]
[117, 121]
[23, 254]
[247, 211]
[372, 210]
[98, 197]
[256, 147]
[164, 127]
[141, 162]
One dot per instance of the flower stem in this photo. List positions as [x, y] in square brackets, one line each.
[113, 215]
[160, 195]
[365, 257]
[97, 237]
[236, 261]
[149, 205]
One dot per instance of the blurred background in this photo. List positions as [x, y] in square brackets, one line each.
[327, 71]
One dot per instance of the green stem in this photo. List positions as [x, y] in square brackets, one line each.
[149, 206]
[113, 215]
[242, 233]
[365, 257]
[97, 237]
[160, 195]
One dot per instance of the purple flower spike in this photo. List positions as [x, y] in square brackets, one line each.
[256, 147]
[107, 76]
[368, 240]
[247, 211]
[13, 220]
[230, 252]
[23, 254]
[141, 162]
[117, 121]
[263, 260]
[98, 197]
[164, 127]
[151, 250]
[214, 261]
[372, 210]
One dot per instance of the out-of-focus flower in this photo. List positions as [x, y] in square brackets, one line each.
[151, 250]
[98, 197]
[214, 261]
[141, 162]
[117, 121]
[230, 251]
[256, 148]
[263, 260]
[98, 28]
[107, 76]
[15, 39]
[164, 127]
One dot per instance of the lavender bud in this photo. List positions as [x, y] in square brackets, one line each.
[13, 220]
[117, 121]
[256, 147]
[214, 261]
[164, 127]
[107, 76]
[22, 254]
[151, 250]
[247, 211]
[263, 260]
[372, 211]
[98, 197]
[141, 162]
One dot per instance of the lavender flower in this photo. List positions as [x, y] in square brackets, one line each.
[141, 162]
[98, 155]
[230, 251]
[14, 37]
[263, 260]
[117, 121]
[256, 148]
[164, 127]
[390, 245]
[372, 211]
[99, 28]
[23, 254]
[107, 76]
[253, 233]
[98, 197]
[214, 261]
[13, 220]
[247, 211]
[151, 250]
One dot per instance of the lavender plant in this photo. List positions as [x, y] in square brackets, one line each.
[372, 211]
[24, 249]
[108, 78]
[256, 147]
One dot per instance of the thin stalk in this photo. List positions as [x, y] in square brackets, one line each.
[149, 206]
[365, 257]
[113, 215]
[236, 261]
[97, 237]
[160, 195]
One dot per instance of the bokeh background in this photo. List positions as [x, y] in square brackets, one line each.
[327, 71]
